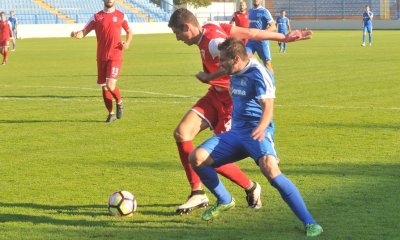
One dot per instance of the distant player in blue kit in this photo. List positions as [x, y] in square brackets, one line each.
[253, 93]
[14, 27]
[283, 26]
[367, 25]
[261, 18]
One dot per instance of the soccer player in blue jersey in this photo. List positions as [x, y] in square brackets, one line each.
[253, 93]
[14, 27]
[283, 26]
[261, 18]
[367, 25]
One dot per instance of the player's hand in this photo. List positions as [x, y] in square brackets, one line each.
[124, 45]
[203, 77]
[258, 134]
[298, 35]
[78, 34]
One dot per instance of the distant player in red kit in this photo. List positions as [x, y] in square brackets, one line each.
[241, 17]
[108, 24]
[5, 35]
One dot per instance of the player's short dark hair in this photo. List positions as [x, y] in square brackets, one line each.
[182, 16]
[233, 47]
[1, 13]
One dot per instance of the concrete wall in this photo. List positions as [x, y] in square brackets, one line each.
[343, 24]
[63, 30]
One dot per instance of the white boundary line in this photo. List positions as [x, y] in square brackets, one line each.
[174, 102]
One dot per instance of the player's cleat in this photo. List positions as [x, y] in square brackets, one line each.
[253, 196]
[370, 44]
[4, 63]
[120, 110]
[216, 210]
[363, 45]
[110, 118]
[313, 230]
[197, 199]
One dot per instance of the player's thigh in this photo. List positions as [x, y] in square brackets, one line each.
[189, 126]
[251, 46]
[113, 69]
[263, 51]
[224, 148]
[211, 108]
[101, 72]
[4, 44]
[257, 149]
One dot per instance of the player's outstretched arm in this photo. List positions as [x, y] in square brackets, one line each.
[298, 35]
[80, 34]
[258, 35]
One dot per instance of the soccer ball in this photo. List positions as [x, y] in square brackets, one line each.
[122, 204]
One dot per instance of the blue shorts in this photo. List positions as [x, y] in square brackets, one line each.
[261, 48]
[368, 28]
[283, 31]
[236, 145]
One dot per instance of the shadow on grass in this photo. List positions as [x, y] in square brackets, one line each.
[90, 210]
[367, 126]
[48, 121]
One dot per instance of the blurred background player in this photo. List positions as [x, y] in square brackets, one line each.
[283, 26]
[108, 24]
[261, 18]
[14, 27]
[367, 25]
[5, 35]
[214, 109]
[241, 17]
[253, 93]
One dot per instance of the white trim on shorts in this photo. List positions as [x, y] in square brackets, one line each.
[203, 117]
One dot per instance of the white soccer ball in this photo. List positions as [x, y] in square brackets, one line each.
[122, 204]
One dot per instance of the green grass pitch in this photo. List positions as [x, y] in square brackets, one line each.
[338, 135]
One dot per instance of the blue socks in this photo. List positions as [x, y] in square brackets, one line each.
[209, 177]
[293, 198]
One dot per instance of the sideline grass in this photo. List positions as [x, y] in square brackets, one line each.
[338, 135]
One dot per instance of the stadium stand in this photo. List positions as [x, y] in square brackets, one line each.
[78, 11]
[334, 9]
[29, 12]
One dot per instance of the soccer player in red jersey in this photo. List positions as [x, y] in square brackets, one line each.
[241, 17]
[107, 25]
[5, 35]
[214, 109]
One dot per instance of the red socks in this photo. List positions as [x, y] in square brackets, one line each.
[108, 99]
[232, 172]
[184, 149]
[116, 94]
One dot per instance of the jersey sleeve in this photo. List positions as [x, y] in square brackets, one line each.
[264, 86]
[268, 17]
[90, 25]
[226, 27]
[213, 47]
[125, 24]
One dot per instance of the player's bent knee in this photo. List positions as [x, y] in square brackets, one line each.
[199, 157]
[269, 166]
